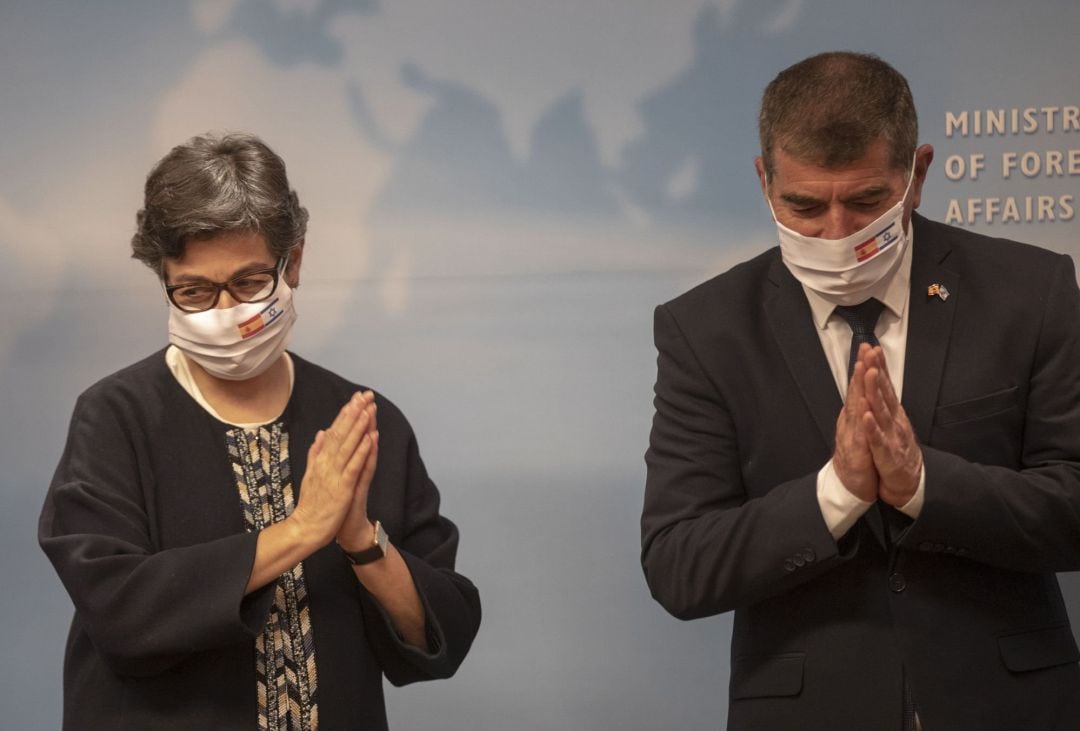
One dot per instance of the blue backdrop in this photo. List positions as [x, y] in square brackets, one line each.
[499, 193]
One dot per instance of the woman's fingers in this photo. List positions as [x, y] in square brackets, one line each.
[370, 464]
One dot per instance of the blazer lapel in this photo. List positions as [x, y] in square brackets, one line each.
[929, 327]
[796, 334]
[789, 316]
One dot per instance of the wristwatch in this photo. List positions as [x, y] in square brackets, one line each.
[374, 552]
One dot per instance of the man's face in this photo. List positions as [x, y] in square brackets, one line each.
[832, 203]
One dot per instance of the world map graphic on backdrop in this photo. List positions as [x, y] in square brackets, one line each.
[500, 192]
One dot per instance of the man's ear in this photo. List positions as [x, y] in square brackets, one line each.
[759, 165]
[924, 155]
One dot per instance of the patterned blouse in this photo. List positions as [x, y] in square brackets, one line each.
[285, 670]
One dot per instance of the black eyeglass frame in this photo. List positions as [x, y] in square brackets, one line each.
[275, 271]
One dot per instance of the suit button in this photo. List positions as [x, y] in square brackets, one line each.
[789, 565]
[897, 583]
[926, 546]
[963, 552]
[950, 549]
[939, 547]
[798, 560]
[808, 555]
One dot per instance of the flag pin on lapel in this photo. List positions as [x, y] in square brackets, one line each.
[939, 290]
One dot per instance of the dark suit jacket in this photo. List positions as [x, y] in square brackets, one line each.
[966, 599]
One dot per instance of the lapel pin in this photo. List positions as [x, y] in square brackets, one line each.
[939, 290]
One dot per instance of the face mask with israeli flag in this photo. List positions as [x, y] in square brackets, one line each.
[236, 343]
[844, 270]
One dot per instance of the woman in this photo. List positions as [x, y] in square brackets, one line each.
[221, 513]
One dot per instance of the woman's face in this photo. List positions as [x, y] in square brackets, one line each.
[226, 257]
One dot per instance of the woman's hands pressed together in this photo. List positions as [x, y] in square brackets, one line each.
[333, 504]
[333, 494]
[341, 465]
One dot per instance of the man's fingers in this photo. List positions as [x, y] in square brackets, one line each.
[867, 355]
[876, 436]
[887, 389]
[859, 407]
[877, 354]
[879, 405]
[856, 389]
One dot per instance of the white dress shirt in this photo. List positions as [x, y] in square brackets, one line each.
[839, 506]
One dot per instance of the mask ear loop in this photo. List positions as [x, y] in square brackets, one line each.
[768, 200]
[910, 180]
[164, 286]
[284, 263]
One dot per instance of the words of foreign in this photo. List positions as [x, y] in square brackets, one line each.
[1014, 209]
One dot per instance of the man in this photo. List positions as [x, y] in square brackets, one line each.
[867, 441]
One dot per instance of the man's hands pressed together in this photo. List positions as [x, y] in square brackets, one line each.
[852, 458]
[876, 454]
[896, 453]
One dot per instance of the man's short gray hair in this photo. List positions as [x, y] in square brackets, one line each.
[212, 185]
[828, 109]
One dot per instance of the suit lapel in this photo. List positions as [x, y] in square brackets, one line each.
[792, 324]
[929, 327]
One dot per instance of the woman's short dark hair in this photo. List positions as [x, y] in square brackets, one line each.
[212, 185]
[828, 109]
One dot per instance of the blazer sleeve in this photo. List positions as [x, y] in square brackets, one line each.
[144, 609]
[428, 543]
[706, 546]
[1025, 519]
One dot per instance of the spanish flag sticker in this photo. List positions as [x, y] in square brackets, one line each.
[259, 322]
[880, 241]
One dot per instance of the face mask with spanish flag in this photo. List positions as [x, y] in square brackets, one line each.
[236, 343]
[844, 270]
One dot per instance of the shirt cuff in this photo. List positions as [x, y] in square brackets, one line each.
[839, 507]
[913, 507]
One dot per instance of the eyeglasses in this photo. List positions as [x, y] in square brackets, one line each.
[203, 295]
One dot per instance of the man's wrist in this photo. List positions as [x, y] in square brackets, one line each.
[840, 507]
[913, 507]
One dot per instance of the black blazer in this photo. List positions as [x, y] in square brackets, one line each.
[145, 527]
[966, 601]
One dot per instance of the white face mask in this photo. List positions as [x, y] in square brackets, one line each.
[843, 270]
[238, 342]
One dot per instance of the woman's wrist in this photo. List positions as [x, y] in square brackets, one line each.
[301, 535]
[357, 538]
